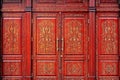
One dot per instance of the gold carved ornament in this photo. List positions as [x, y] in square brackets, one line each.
[109, 68]
[11, 37]
[74, 68]
[46, 37]
[74, 35]
[109, 37]
[46, 68]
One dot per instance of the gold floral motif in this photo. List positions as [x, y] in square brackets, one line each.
[11, 36]
[46, 68]
[74, 41]
[12, 69]
[46, 37]
[109, 69]
[109, 37]
[74, 69]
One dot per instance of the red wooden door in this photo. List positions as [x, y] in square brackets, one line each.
[15, 41]
[75, 46]
[107, 40]
[45, 46]
[60, 52]
[107, 47]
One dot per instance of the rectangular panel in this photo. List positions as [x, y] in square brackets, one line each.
[74, 68]
[47, 68]
[108, 67]
[74, 35]
[11, 35]
[60, 5]
[12, 68]
[74, 1]
[45, 1]
[108, 1]
[108, 36]
[46, 36]
[12, 1]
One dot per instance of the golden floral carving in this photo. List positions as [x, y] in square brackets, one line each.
[12, 69]
[46, 68]
[46, 37]
[11, 37]
[109, 69]
[109, 37]
[74, 34]
[74, 68]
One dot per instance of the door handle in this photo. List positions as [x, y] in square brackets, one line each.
[62, 44]
[57, 44]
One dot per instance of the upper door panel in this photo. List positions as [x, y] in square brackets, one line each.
[13, 5]
[60, 5]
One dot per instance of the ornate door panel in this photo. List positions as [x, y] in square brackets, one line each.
[13, 47]
[107, 46]
[45, 44]
[75, 47]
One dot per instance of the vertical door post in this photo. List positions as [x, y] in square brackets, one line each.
[28, 15]
[92, 60]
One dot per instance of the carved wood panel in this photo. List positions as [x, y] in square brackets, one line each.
[13, 60]
[108, 36]
[12, 1]
[108, 1]
[45, 36]
[107, 46]
[12, 36]
[60, 5]
[75, 46]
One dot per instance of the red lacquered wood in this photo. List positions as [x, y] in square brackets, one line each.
[92, 60]
[63, 59]
[28, 73]
[92, 39]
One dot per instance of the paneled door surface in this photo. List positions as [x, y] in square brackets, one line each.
[60, 51]
[59, 39]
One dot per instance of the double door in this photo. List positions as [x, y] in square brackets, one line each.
[60, 46]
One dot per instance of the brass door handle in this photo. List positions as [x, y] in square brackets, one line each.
[62, 44]
[57, 44]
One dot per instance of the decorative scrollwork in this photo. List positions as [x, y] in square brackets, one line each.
[109, 37]
[74, 36]
[46, 37]
[11, 37]
[109, 69]
[46, 68]
[74, 68]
